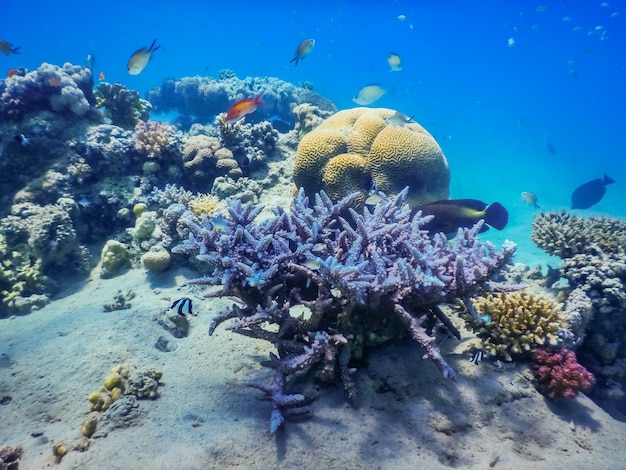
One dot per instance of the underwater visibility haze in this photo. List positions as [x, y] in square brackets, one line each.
[411, 212]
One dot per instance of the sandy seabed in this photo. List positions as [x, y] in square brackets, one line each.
[406, 414]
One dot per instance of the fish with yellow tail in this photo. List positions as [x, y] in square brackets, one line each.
[303, 50]
[531, 198]
[140, 59]
[451, 214]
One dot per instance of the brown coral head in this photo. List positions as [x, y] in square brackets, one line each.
[355, 147]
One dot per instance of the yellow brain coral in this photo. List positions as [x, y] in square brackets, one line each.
[356, 148]
[517, 323]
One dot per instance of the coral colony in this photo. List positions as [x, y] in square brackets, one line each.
[363, 278]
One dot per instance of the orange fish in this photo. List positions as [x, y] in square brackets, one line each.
[243, 107]
[12, 72]
[101, 76]
[54, 81]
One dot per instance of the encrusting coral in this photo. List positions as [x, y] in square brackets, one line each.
[594, 265]
[363, 284]
[357, 150]
[516, 323]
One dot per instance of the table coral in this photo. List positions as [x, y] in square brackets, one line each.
[355, 150]
[517, 323]
[560, 374]
[363, 284]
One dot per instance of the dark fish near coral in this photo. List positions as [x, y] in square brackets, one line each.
[590, 193]
[303, 50]
[183, 306]
[140, 58]
[7, 48]
[451, 214]
[21, 139]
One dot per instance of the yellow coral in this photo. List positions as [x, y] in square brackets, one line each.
[518, 323]
[204, 204]
[392, 157]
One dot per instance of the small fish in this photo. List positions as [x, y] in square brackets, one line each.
[531, 198]
[183, 306]
[485, 317]
[451, 214]
[551, 148]
[219, 223]
[140, 58]
[573, 74]
[7, 48]
[91, 61]
[369, 94]
[54, 81]
[312, 264]
[84, 203]
[243, 107]
[478, 356]
[21, 139]
[12, 73]
[541, 8]
[394, 62]
[374, 199]
[303, 50]
[510, 42]
[101, 76]
[520, 381]
[590, 193]
[401, 17]
[398, 119]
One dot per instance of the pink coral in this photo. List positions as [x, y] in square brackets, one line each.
[154, 138]
[560, 374]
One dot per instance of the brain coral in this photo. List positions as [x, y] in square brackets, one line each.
[518, 323]
[355, 148]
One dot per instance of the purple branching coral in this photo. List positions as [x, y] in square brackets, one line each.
[364, 278]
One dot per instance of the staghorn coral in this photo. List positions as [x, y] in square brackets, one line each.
[122, 106]
[356, 149]
[517, 323]
[63, 90]
[559, 374]
[565, 235]
[153, 139]
[363, 284]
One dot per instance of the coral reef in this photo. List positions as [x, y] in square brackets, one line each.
[66, 90]
[34, 247]
[203, 98]
[594, 265]
[565, 235]
[378, 280]
[122, 106]
[516, 323]
[204, 158]
[123, 382]
[559, 374]
[356, 150]
[154, 139]
[250, 144]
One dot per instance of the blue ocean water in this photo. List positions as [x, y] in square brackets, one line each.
[497, 83]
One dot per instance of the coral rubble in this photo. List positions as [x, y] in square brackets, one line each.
[379, 279]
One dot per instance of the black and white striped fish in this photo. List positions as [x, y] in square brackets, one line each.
[183, 306]
[478, 356]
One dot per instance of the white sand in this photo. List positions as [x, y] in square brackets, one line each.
[407, 415]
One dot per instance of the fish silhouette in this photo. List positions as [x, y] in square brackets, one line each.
[590, 193]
